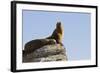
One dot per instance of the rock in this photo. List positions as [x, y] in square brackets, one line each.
[50, 52]
[58, 57]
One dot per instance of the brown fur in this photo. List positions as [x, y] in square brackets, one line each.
[56, 37]
[57, 33]
[36, 44]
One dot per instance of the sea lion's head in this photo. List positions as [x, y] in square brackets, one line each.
[58, 25]
[59, 28]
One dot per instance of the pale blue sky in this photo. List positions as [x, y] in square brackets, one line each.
[77, 29]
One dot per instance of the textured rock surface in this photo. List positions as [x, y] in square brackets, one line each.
[53, 52]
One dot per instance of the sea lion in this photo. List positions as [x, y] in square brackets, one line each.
[56, 37]
[36, 44]
[57, 33]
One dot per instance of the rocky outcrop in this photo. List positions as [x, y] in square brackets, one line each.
[49, 52]
[48, 49]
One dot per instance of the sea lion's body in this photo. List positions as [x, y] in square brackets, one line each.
[36, 44]
[56, 37]
[57, 33]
